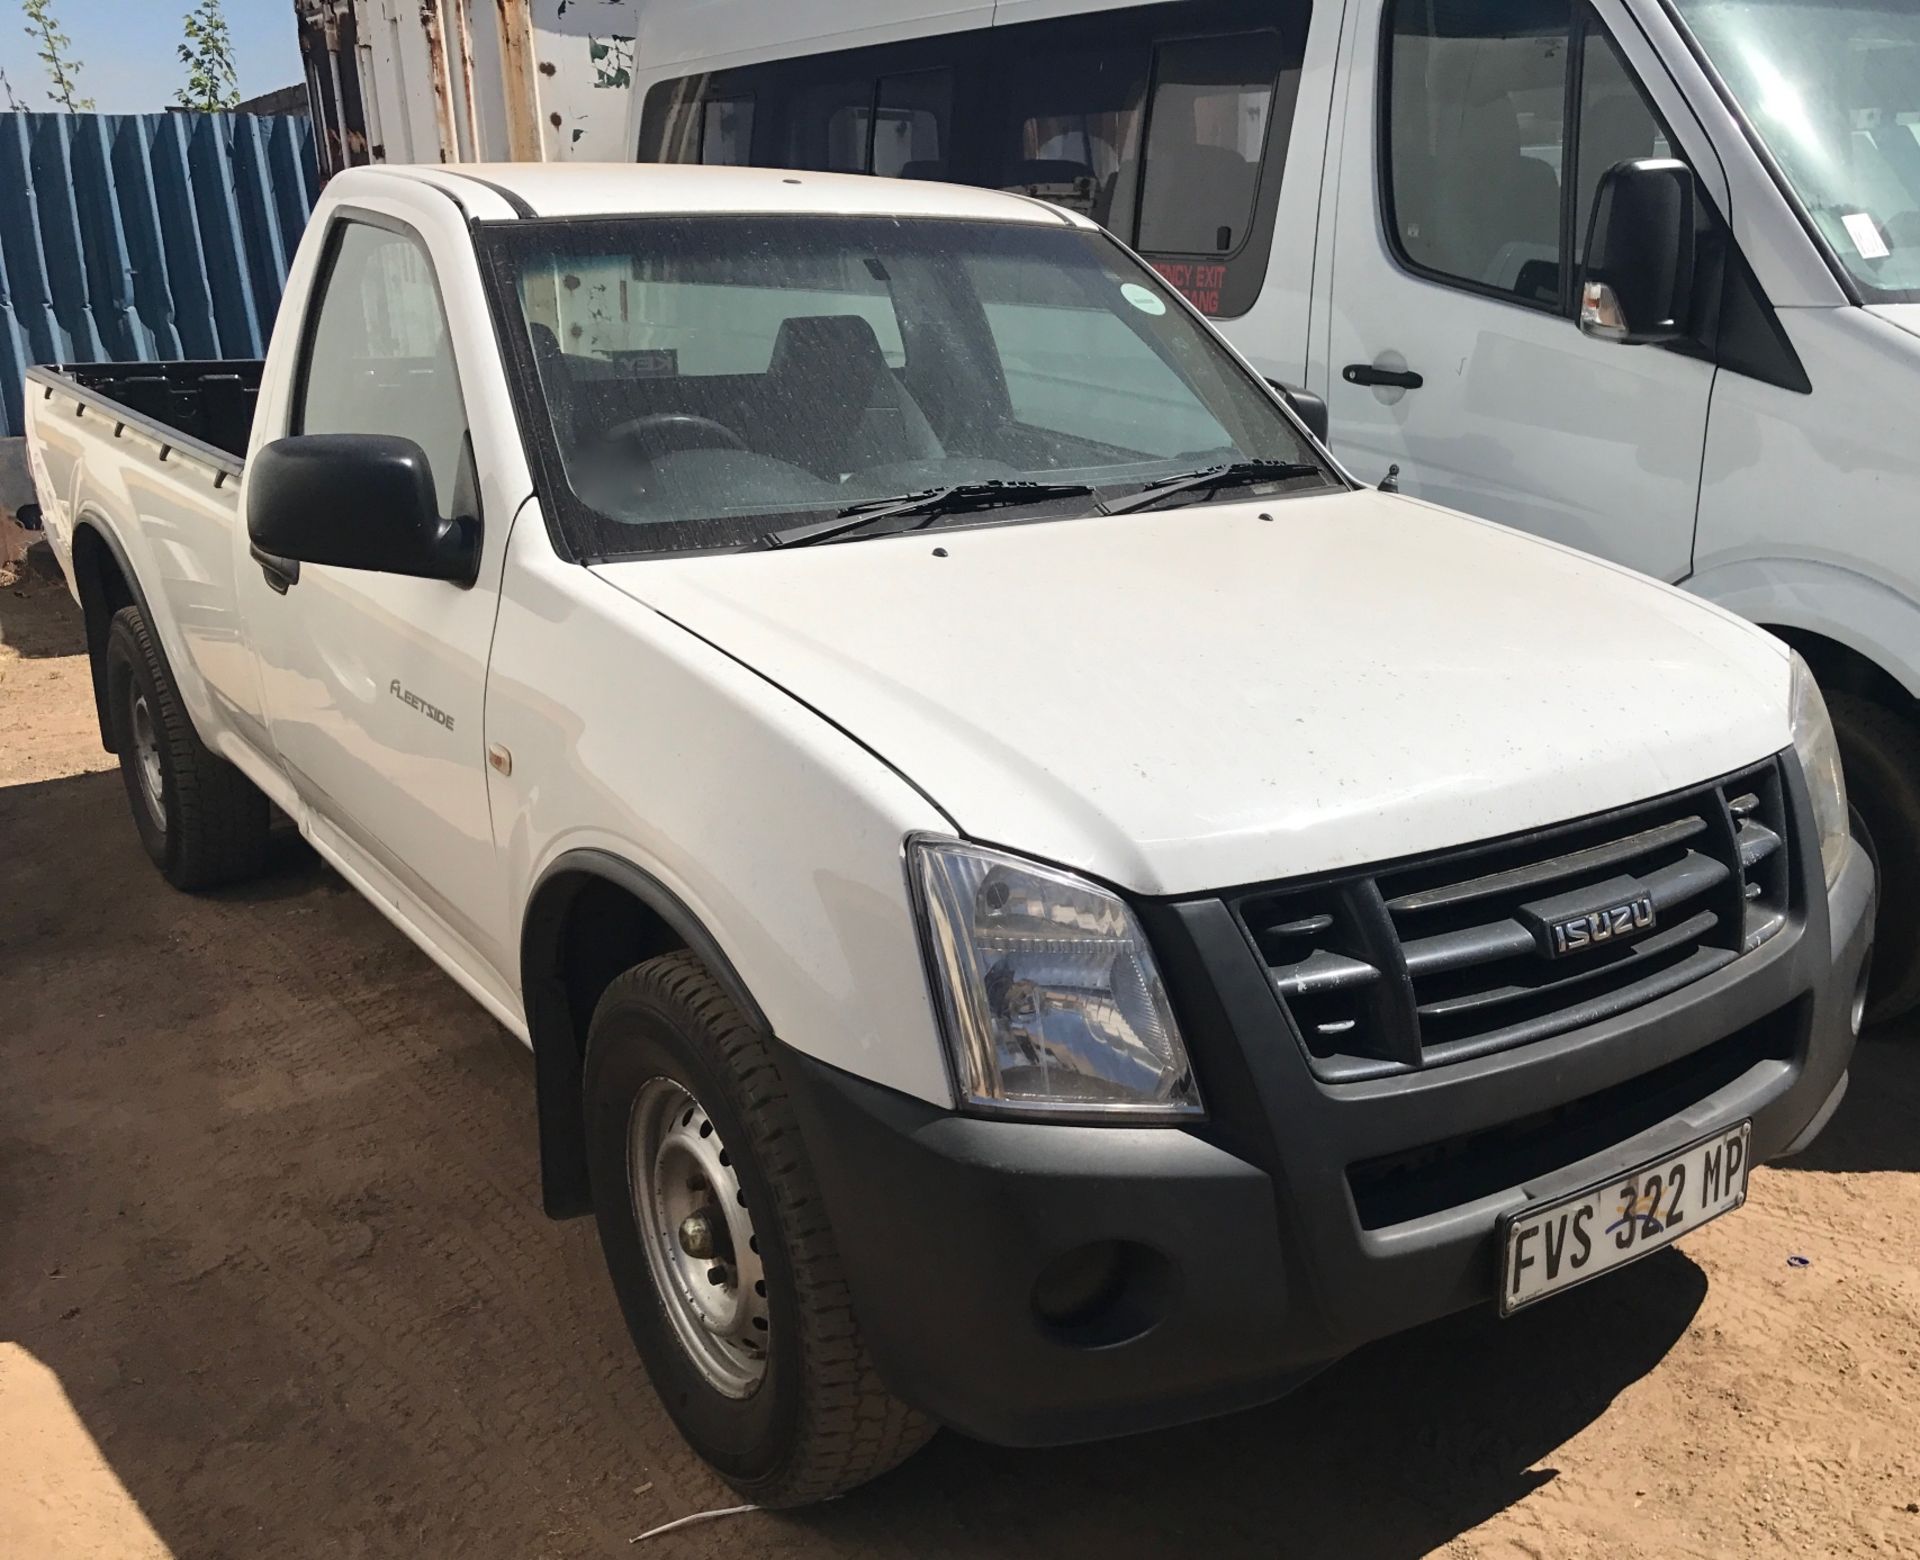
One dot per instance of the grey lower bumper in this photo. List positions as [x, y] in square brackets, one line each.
[1037, 1283]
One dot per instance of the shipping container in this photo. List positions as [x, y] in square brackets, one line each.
[126, 238]
[469, 80]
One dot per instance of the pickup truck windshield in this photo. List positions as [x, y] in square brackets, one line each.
[1834, 92]
[706, 381]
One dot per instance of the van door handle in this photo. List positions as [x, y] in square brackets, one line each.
[1367, 374]
[280, 572]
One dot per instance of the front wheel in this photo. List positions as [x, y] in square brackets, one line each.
[719, 1246]
[1880, 755]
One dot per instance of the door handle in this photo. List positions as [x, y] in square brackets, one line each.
[1367, 374]
[280, 572]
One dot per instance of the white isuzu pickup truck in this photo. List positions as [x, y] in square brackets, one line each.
[1038, 903]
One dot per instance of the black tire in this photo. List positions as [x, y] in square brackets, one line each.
[208, 824]
[1880, 754]
[819, 1421]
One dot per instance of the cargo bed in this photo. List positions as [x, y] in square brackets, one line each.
[199, 408]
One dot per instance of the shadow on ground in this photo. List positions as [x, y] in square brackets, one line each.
[1391, 1453]
[268, 1198]
[37, 616]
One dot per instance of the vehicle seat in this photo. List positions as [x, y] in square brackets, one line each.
[830, 403]
[1492, 207]
[1201, 189]
[556, 380]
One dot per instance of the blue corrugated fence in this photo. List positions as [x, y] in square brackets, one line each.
[133, 237]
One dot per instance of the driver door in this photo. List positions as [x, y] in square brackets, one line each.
[374, 683]
[1452, 350]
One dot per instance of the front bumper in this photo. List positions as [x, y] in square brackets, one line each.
[1036, 1283]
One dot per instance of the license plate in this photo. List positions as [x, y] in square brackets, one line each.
[1551, 1248]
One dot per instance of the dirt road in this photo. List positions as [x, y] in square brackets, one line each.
[273, 1281]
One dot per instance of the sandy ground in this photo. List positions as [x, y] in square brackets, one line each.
[273, 1281]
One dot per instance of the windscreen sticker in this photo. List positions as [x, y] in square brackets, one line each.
[1149, 302]
[1865, 234]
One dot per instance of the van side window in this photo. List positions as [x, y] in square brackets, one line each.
[910, 125]
[1616, 125]
[1167, 123]
[827, 126]
[1477, 100]
[726, 131]
[1073, 126]
[1480, 165]
[379, 356]
[895, 126]
[1206, 133]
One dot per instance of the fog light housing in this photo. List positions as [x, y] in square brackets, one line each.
[1103, 1293]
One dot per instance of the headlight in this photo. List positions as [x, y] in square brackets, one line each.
[1048, 992]
[1819, 752]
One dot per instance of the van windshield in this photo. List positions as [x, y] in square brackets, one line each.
[705, 381]
[1834, 92]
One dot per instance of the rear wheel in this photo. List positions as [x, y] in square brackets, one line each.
[719, 1247]
[1880, 753]
[201, 820]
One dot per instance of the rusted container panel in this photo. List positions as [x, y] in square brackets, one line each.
[469, 80]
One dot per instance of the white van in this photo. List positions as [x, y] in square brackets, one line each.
[1389, 202]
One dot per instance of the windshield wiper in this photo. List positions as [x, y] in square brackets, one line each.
[1230, 474]
[956, 498]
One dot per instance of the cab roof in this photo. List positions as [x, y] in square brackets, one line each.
[502, 190]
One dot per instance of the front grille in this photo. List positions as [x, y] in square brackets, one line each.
[1420, 963]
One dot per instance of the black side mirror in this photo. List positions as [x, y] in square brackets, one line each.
[1636, 286]
[1307, 406]
[355, 501]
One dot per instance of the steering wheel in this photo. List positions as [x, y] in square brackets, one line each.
[661, 433]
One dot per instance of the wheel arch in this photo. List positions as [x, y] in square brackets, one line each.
[1838, 666]
[106, 582]
[1859, 632]
[591, 915]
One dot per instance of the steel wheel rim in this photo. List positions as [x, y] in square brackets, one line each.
[694, 1226]
[146, 760]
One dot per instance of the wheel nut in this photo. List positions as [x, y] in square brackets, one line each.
[696, 1235]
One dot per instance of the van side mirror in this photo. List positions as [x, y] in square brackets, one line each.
[1636, 285]
[356, 501]
[1307, 406]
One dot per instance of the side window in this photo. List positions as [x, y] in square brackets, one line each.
[1073, 124]
[1476, 104]
[726, 131]
[1484, 177]
[379, 357]
[671, 121]
[1616, 125]
[911, 120]
[1176, 144]
[896, 126]
[1207, 131]
[828, 126]
[1167, 123]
